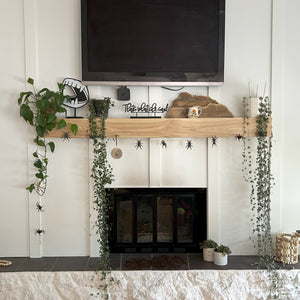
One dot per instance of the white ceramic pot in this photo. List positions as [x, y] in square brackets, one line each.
[208, 254]
[253, 107]
[220, 259]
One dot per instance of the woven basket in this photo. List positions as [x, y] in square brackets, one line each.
[287, 248]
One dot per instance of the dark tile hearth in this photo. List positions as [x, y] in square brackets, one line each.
[133, 261]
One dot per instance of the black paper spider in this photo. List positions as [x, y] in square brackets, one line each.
[139, 144]
[214, 140]
[39, 207]
[163, 144]
[188, 145]
[66, 136]
[239, 137]
[40, 231]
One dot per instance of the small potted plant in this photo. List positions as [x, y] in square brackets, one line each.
[208, 247]
[221, 255]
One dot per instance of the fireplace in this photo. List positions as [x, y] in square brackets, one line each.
[158, 219]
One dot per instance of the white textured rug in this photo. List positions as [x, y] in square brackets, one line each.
[142, 285]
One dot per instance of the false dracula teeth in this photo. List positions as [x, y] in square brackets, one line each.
[81, 93]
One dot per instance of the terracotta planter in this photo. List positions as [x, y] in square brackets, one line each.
[208, 254]
[220, 259]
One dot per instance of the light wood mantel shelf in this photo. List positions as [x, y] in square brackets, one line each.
[166, 127]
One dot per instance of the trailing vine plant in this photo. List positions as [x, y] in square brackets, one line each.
[39, 108]
[101, 174]
[257, 172]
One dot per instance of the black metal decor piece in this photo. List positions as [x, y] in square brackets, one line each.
[80, 97]
[138, 145]
[189, 145]
[150, 109]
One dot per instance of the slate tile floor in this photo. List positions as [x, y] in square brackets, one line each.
[190, 261]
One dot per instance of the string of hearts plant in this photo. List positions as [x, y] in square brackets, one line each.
[257, 172]
[102, 176]
[39, 108]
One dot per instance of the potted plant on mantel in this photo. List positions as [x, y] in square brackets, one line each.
[221, 255]
[208, 247]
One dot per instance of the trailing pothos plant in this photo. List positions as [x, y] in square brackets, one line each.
[39, 108]
[257, 172]
[102, 176]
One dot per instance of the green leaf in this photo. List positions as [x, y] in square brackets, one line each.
[39, 175]
[40, 119]
[51, 118]
[52, 146]
[30, 81]
[40, 130]
[61, 124]
[35, 154]
[38, 164]
[31, 188]
[74, 128]
[26, 113]
[39, 142]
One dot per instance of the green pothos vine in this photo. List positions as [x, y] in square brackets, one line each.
[257, 172]
[101, 174]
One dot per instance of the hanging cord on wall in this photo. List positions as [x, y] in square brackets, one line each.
[173, 90]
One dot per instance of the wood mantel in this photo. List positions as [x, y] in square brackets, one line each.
[166, 127]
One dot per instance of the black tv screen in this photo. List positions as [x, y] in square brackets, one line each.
[153, 41]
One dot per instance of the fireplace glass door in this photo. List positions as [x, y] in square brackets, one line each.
[160, 220]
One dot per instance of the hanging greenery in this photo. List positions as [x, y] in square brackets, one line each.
[257, 172]
[39, 108]
[101, 174]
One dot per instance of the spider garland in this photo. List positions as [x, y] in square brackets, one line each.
[138, 145]
[39, 207]
[66, 136]
[40, 231]
[239, 137]
[214, 141]
[189, 145]
[163, 144]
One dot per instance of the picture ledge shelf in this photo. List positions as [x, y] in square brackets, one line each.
[165, 127]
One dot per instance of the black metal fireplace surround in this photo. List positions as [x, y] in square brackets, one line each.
[158, 220]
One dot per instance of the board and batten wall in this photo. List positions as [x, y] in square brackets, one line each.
[41, 39]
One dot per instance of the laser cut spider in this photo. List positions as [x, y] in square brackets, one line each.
[40, 231]
[239, 137]
[39, 207]
[163, 144]
[214, 141]
[138, 145]
[189, 145]
[66, 136]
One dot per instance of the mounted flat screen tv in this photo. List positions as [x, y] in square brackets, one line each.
[153, 42]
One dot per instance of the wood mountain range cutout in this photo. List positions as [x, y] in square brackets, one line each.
[210, 108]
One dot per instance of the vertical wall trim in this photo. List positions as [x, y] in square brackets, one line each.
[31, 70]
[277, 97]
[213, 181]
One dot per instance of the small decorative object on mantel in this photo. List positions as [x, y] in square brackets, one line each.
[221, 255]
[150, 109]
[5, 263]
[208, 247]
[80, 97]
[210, 108]
[116, 152]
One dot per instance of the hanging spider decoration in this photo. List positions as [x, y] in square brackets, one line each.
[40, 231]
[163, 144]
[66, 136]
[239, 137]
[188, 145]
[138, 145]
[214, 141]
[39, 207]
